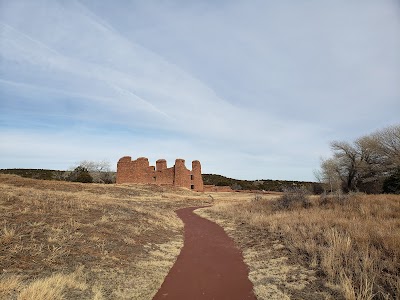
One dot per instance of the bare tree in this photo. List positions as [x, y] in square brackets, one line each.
[388, 146]
[96, 166]
[347, 162]
[329, 175]
[365, 163]
[99, 170]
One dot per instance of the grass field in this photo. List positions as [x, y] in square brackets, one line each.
[62, 240]
[328, 249]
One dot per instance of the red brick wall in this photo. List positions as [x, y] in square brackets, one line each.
[197, 179]
[182, 175]
[124, 170]
[161, 164]
[165, 176]
[139, 171]
[143, 173]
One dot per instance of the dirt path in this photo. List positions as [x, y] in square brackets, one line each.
[209, 265]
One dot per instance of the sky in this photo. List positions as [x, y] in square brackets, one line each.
[252, 89]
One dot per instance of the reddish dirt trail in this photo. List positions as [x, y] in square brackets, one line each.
[208, 267]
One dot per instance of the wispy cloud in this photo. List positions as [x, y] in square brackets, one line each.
[252, 90]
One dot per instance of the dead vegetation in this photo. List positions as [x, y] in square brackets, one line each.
[317, 247]
[62, 240]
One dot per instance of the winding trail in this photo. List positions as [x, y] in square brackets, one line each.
[209, 266]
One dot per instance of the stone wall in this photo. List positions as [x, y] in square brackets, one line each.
[142, 173]
[197, 179]
[164, 175]
[139, 171]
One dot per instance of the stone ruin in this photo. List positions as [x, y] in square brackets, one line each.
[139, 171]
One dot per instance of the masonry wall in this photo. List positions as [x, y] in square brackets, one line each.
[163, 175]
[182, 175]
[125, 172]
[196, 178]
[139, 171]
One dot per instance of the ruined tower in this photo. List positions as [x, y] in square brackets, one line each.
[196, 178]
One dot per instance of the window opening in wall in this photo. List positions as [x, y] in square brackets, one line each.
[191, 177]
[192, 187]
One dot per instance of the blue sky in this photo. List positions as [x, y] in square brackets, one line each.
[252, 89]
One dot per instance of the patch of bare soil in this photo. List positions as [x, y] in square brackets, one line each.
[62, 240]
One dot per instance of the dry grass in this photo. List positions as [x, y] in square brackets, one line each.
[352, 243]
[62, 240]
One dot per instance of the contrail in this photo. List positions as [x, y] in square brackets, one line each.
[126, 92]
[6, 28]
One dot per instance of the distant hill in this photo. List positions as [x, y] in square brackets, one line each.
[37, 173]
[212, 179]
[45, 174]
[263, 184]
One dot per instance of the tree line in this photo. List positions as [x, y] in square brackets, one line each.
[370, 164]
[263, 184]
[85, 171]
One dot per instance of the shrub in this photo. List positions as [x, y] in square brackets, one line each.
[107, 177]
[80, 174]
[258, 197]
[293, 197]
[332, 199]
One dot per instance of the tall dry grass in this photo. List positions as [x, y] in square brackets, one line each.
[61, 240]
[354, 240]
